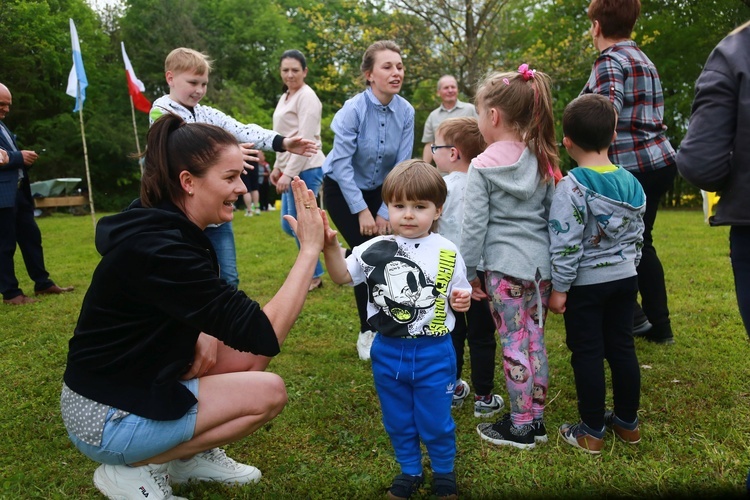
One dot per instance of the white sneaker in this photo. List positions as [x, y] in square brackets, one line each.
[486, 410]
[364, 343]
[460, 393]
[120, 482]
[212, 465]
[248, 213]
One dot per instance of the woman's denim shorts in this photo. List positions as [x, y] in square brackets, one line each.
[133, 439]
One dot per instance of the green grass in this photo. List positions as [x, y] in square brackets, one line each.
[329, 442]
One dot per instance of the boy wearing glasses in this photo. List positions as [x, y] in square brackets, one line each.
[457, 142]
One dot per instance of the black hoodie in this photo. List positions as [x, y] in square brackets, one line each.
[155, 289]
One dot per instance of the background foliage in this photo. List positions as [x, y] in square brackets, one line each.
[246, 37]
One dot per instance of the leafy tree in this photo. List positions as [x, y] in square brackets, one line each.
[464, 32]
[35, 43]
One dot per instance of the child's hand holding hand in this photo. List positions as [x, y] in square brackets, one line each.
[557, 301]
[460, 300]
[476, 289]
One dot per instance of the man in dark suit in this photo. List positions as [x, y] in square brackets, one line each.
[17, 224]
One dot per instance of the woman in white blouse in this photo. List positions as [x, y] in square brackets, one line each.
[298, 113]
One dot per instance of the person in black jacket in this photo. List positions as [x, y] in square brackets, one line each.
[166, 361]
[715, 153]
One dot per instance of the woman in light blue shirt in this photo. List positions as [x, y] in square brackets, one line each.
[374, 131]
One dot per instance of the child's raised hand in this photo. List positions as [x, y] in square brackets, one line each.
[249, 154]
[460, 300]
[330, 235]
[300, 146]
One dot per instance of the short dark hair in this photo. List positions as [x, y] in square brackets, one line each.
[616, 17]
[415, 180]
[297, 56]
[589, 121]
[294, 54]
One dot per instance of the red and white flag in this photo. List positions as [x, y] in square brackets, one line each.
[135, 86]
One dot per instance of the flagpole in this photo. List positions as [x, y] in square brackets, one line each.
[88, 173]
[135, 131]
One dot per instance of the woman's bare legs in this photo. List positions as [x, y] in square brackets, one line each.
[230, 406]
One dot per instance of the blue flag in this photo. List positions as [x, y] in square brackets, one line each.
[77, 81]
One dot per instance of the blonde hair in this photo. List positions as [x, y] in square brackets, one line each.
[463, 133]
[525, 100]
[415, 180]
[184, 59]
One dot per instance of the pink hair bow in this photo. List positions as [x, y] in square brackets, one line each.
[528, 74]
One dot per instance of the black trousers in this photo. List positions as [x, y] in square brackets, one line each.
[651, 284]
[347, 225]
[599, 326]
[17, 226]
[478, 328]
[739, 248]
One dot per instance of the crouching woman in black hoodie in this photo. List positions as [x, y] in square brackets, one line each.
[166, 361]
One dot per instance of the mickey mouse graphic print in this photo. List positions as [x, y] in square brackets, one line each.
[409, 282]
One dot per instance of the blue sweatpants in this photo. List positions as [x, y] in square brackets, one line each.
[414, 379]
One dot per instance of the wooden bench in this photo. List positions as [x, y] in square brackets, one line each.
[49, 203]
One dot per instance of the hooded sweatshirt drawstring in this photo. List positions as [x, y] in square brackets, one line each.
[539, 304]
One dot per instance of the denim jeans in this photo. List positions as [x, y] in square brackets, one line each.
[131, 439]
[222, 238]
[313, 179]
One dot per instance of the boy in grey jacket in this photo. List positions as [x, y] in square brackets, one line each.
[596, 234]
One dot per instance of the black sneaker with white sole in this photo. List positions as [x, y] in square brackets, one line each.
[504, 433]
[540, 431]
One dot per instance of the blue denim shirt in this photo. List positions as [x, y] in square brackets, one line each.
[370, 139]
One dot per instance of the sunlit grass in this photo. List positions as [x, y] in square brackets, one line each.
[329, 442]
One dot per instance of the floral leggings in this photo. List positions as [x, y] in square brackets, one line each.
[515, 309]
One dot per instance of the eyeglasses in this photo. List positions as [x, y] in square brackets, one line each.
[434, 148]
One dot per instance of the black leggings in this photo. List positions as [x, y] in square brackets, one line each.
[477, 326]
[347, 225]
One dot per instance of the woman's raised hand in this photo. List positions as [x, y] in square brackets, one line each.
[308, 226]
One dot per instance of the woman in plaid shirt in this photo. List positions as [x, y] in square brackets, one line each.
[628, 78]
